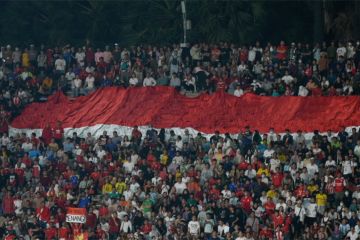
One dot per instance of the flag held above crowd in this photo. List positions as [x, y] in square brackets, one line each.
[76, 215]
[163, 107]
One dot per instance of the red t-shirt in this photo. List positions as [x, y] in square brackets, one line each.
[277, 179]
[91, 220]
[278, 220]
[63, 232]
[26, 160]
[58, 133]
[339, 184]
[269, 208]
[47, 135]
[267, 233]
[20, 174]
[301, 192]
[114, 224]
[103, 211]
[281, 55]
[43, 213]
[246, 203]
[50, 233]
[243, 165]
[36, 171]
[146, 228]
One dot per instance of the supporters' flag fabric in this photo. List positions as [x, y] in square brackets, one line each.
[76, 215]
[163, 107]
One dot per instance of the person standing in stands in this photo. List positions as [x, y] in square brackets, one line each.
[58, 133]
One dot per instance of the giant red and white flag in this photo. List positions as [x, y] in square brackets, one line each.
[162, 107]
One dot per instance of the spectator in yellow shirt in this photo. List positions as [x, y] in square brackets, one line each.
[263, 170]
[219, 155]
[321, 201]
[164, 158]
[312, 187]
[107, 187]
[25, 59]
[120, 186]
[272, 193]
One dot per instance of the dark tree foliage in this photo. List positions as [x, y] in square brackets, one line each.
[160, 21]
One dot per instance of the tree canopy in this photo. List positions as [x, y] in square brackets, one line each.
[160, 21]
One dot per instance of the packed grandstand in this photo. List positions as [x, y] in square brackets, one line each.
[147, 142]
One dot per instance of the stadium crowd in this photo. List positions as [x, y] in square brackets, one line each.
[32, 73]
[156, 185]
[163, 186]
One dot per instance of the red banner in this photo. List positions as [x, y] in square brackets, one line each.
[76, 215]
[163, 107]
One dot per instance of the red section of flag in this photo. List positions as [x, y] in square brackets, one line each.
[163, 107]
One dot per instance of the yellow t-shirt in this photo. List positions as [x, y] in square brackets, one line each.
[120, 187]
[107, 188]
[321, 199]
[218, 156]
[312, 188]
[271, 194]
[164, 159]
[263, 171]
[178, 175]
[25, 60]
[282, 157]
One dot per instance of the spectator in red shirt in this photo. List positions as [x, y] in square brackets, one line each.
[278, 219]
[301, 191]
[146, 227]
[50, 232]
[8, 206]
[43, 214]
[114, 224]
[266, 233]
[277, 177]
[58, 133]
[269, 207]
[47, 134]
[63, 232]
[339, 187]
[246, 202]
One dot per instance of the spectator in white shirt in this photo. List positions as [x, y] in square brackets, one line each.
[149, 81]
[27, 146]
[126, 225]
[312, 168]
[238, 91]
[311, 210]
[352, 234]
[60, 65]
[340, 51]
[222, 229]
[90, 84]
[250, 172]
[242, 67]
[133, 81]
[303, 91]
[194, 227]
[287, 78]
[180, 186]
[80, 57]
